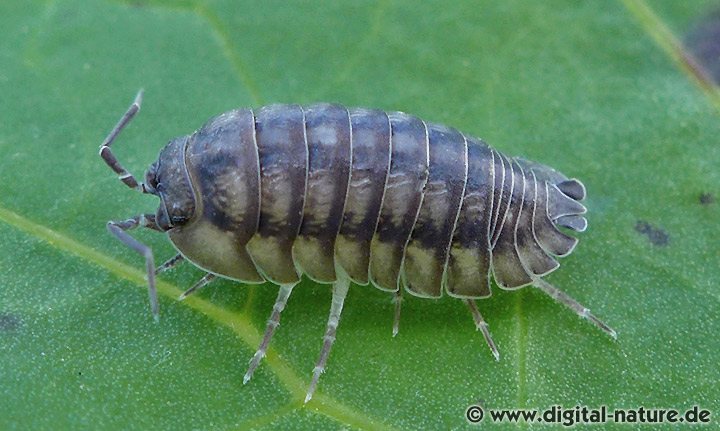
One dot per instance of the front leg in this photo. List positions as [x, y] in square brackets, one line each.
[119, 228]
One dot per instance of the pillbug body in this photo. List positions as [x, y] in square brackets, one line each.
[357, 195]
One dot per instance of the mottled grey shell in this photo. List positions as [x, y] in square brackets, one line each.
[385, 197]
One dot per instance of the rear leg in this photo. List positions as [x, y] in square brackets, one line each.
[272, 324]
[340, 289]
[482, 326]
[397, 300]
[118, 229]
[572, 304]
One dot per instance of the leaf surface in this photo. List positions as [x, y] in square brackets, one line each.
[598, 90]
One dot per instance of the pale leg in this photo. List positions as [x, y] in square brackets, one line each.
[572, 304]
[482, 326]
[272, 324]
[197, 286]
[340, 289]
[169, 264]
[397, 300]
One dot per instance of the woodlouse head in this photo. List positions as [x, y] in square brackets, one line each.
[168, 179]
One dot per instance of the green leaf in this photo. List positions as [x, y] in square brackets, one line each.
[600, 90]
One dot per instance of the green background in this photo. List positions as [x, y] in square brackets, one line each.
[595, 89]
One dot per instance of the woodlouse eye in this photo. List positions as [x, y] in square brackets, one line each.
[178, 220]
[151, 178]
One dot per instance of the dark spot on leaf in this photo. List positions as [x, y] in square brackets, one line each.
[706, 198]
[703, 42]
[79, 373]
[656, 235]
[9, 322]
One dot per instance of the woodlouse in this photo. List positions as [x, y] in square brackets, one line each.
[357, 195]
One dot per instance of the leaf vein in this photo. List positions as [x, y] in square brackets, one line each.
[239, 323]
[673, 48]
[226, 45]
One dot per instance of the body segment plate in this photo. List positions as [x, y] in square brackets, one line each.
[368, 177]
[329, 157]
[427, 251]
[222, 162]
[468, 271]
[280, 131]
[403, 196]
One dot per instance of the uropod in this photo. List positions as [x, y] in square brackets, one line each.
[353, 195]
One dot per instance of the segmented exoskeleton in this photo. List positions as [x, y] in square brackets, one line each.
[356, 195]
